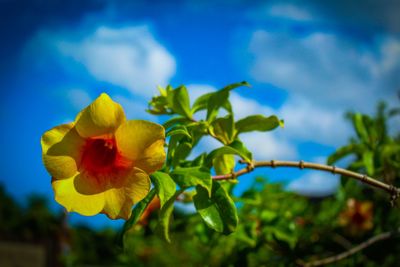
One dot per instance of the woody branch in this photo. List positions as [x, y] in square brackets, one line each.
[392, 190]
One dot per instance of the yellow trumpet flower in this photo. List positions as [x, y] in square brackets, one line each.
[100, 163]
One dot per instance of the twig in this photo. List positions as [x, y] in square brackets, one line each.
[392, 190]
[353, 250]
[342, 241]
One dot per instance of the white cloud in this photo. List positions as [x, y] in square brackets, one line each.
[283, 13]
[269, 145]
[289, 11]
[325, 75]
[129, 57]
[390, 50]
[315, 184]
[306, 121]
[328, 70]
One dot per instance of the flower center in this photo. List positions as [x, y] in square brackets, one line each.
[99, 155]
[358, 218]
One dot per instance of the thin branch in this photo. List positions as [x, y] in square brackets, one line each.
[346, 244]
[392, 190]
[348, 253]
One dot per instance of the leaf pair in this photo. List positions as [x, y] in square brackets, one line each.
[212, 202]
[217, 210]
[171, 101]
[212, 102]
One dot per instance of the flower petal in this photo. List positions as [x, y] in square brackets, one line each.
[152, 158]
[61, 148]
[67, 195]
[102, 117]
[90, 184]
[143, 143]
[126, 191]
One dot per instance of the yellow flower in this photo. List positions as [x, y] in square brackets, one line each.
[101, 162]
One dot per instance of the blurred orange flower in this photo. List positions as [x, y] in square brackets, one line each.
[357, 216]
[100, 163]
[153, 206]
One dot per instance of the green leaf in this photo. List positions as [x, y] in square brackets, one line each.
[342, 152]
[218, 211]
[175, 121]
[179, 130]
[220, 99]
[163, 92]
[243, 151]
[236, 85]
[391, 153]
[282, 236]
[158, 105]
[225, 150]
[172, 144]
[223, 129]
[268, 215]
[136, 213]
[243, 235]
[164, 185]
[199, 160]
[356, 165]
[181, 152]
[258, 123]
[193, 176]
[197, 131]
[202, 102]
[164, 217]
[368, 159]
[224, 164]
[236, 148]
[360, 127]
[215, 102]
[179, 146]
[178, 100]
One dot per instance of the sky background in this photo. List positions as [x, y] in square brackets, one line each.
[308, 62]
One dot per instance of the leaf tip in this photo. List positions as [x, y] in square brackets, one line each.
[245, 83]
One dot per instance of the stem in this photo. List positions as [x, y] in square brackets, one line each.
[353, 250]
[394, 191]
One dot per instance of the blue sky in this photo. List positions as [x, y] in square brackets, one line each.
[308, 63]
